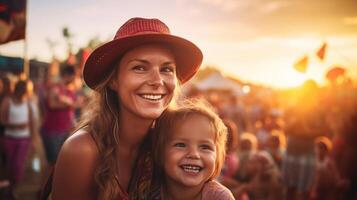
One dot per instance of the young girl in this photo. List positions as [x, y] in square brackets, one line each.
[190, 151]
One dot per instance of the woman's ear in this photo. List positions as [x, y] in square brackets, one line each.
[113, 84]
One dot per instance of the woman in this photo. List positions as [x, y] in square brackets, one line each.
[134, 78]
[16, 116]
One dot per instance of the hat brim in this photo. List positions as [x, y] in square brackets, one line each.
[101, 61]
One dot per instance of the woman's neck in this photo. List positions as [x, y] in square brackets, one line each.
[179, 192]
[133, 131]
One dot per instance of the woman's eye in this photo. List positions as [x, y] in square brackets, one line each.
[138, 68]
[168, 69]
[180, 144]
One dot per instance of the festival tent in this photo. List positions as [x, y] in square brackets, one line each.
[217, 81]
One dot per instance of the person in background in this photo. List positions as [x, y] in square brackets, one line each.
[276, 146]
[231, 163]
[189, 153]
[264, 179]
[247, 147]
[59, 117]
[5, 91]
[326, 177]
[16, 116]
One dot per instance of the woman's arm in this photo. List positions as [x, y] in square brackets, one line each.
[74, 170]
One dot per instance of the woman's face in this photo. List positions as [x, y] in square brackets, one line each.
[190, 152]
[145, 81]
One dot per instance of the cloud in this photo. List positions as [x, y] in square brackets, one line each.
[264, 6]
[224, 5]
[274, 6]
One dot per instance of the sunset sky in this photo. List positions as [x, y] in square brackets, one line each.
[255, 40]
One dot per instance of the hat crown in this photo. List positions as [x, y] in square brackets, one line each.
[137, 26]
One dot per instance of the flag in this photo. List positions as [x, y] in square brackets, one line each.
[322, 51]
[301, 64]
[12, 20]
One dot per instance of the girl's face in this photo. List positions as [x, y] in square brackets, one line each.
[145, 81]
[190, 152]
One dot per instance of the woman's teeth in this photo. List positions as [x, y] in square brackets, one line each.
[154, 97]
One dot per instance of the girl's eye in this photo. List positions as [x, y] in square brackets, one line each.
[179, 144]
[206, 147]
[138, 68]
[168, 69]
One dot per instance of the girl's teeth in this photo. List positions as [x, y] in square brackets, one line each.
[191, 169]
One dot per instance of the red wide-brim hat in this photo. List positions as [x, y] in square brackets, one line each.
[136, 32]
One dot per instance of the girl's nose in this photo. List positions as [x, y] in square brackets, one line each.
[193, 154]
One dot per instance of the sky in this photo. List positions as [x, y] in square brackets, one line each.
[255, 40]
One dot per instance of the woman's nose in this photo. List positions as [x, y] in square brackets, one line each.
[155, 78]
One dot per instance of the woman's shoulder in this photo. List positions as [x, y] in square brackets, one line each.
[74, 170]
[80, 142]
[215, 190]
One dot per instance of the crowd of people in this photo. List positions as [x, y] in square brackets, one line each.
[278, 145]
[289, 145]
[35, 118]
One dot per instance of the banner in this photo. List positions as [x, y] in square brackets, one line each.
[12, 20]
[321, 51]
[301, 64]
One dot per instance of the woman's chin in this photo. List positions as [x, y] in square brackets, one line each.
[151, 114]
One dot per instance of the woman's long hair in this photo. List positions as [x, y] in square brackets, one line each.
[101, 120]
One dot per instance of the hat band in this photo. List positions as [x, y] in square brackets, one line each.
[142, 27]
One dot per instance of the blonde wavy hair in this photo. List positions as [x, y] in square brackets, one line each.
[173, 116]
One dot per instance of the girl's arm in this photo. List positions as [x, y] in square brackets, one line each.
[74, 171]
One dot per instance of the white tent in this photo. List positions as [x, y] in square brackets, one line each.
[217, 81]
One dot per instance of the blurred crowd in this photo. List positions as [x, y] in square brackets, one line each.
[292, 144]
[35, 121]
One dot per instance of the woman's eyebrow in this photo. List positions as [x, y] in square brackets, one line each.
[147, 62]
[139, 60]
[169, 62]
